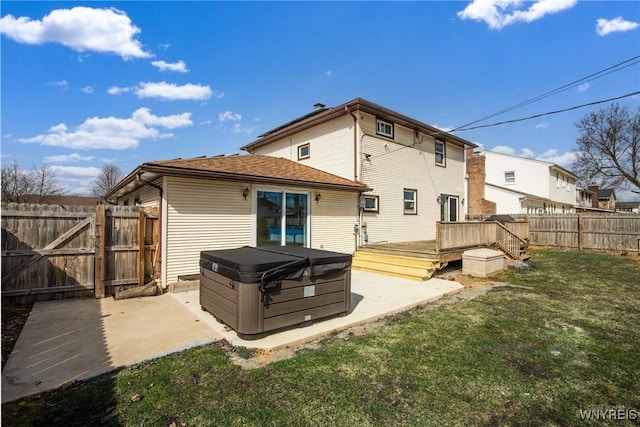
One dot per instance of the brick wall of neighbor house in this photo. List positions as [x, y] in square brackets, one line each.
[478, 205]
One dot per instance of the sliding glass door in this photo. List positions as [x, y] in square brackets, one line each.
[282, 218]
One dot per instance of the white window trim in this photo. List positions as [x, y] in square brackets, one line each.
[377, 203]
[514, 177]
[300, 147]
[413, 211]
[444, 153]
[382, 132]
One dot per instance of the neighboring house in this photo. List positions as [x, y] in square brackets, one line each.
[518, 185]
[606, 197]
[415, 171]
[628, 207]
[585, 198]
[226, 202]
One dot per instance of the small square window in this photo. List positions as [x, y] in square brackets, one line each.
[440, 153]
[304, 151]
[371, 204]
[410, 201]
[510, 177]
[384, 128]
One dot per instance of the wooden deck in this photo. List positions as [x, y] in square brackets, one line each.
[419, 249]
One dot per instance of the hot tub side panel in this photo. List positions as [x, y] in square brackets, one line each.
[308, 299]
[241, 306]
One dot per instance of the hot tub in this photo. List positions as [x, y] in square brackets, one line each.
[259, 289]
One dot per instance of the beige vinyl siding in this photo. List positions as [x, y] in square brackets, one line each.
[332, 221]
[203, 215]
[392, 168]
[148, 195]
[330, 147]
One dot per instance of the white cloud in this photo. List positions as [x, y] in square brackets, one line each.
[584, 87]
[206, 122]
[525, 152]
[171, 91]
[177, 67]
[111, 132]
[504, 150]
[61, 84]
[565, 160]
[74, 179]
[607, 26]
[542, 125]
[87, 89]
[229, 115]
[328, 73]
[81, 28]
[500, 13]
[116, 90]
[67, 158]
[237, 128]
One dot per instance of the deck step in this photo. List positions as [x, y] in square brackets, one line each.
[406, 267]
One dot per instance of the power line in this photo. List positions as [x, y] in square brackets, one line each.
[614, 68]
[551, 112]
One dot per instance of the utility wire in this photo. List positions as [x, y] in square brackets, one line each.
[614, 68]
[551, 112]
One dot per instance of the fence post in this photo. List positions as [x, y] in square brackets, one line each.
[141, 242]
[580, 231]
[100, 259]
[438, 237]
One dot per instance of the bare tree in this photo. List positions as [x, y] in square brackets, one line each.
[28, 186]
[108, 178]
[608, 149]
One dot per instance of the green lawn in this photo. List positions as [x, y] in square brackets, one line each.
[565, 339]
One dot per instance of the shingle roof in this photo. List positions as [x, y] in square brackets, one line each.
[245, 168]
[605, 193]
[322, 115]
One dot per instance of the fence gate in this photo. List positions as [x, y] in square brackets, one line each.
[56, 251]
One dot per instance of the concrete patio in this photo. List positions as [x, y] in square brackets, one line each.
[78, 339]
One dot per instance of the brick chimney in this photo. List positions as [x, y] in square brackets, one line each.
[478, 205]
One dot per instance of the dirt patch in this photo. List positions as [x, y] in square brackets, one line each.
[13, 320]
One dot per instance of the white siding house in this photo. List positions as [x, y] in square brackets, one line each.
[519, 185]
[227, 202]
[416, 172]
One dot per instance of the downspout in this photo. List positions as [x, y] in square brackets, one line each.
[157, 270]
[356, 177]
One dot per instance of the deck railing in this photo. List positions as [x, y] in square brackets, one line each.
[508, 241]
[457, 235]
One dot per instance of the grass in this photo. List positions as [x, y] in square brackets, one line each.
[564, 339]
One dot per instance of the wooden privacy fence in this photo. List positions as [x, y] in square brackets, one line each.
[601, 232]
[55, 251]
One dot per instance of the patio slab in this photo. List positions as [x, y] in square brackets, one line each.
[77, 339]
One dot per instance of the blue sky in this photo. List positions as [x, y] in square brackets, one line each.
[86, 84]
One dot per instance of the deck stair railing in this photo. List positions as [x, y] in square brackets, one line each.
[510, 243]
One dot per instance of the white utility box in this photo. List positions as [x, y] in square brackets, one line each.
[482, 262]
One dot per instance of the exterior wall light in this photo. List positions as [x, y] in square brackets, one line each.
[245, 193]
[318, 196]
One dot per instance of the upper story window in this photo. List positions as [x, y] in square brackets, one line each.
[304, 151]
[384, 128]
[510, 177]
[440, 153]
[410, 201]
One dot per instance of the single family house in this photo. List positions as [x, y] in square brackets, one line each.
[415, 171]
[506, 184]
[225, 202]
